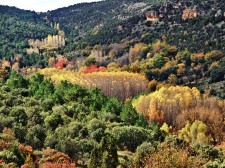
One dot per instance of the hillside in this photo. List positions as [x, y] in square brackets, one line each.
[112, 21]
[107, 22]
[17, 27]
[113, 84]
[88, 18]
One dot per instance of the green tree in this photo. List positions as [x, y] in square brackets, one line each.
[90, 61]
[36, 136]
[104, 156]
[53, 121]
[40, 87]
[16, 81]
[136, 136]
[109, 155]
[20, 117]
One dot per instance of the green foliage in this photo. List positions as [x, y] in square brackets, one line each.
[214, 157]
[40, 87]
[113, 105]
[76, 121]
[90, 61]
[136, 135]
[158, 61]
[35, 136]
[143, 151]
[8, 156]
[194, 33]
[131, 117]
[105, 155]
[19, 115]
[195, 133]
[216, 75]
[67, 118]
[16, 81]
[47, 104]
[215, 164]
[16, 27]
[53, 121]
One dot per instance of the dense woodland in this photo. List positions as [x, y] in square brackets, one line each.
[116, 83]
[40, 120]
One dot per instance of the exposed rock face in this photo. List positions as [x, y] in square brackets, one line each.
[151, 16]
[189, 13]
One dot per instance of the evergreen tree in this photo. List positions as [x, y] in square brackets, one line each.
[105, 156]
[109, 152]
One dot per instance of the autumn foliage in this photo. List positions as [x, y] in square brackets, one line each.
[4, 144]
[120, 84]
[59, 160]
[94, 68]
[46, 158]
[61, 63]
[3, 73]
[176, 105]
[176, 157]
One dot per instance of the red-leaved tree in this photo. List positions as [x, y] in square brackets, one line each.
[61, 63]
[94, 68]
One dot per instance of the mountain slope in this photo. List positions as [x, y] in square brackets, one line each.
[16, 27]
[112, 21]
[86, 18]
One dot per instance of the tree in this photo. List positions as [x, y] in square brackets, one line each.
[158, 61]
[109, 155]
[104, 156]
[128, 114]
[34, 82]
[3, 73]
[36, 136]
[94, 158]
[90, 61]
[195, 133]
[61, 63]
[52, 121]
[16, 81]
[136, 135]
[19, 115]
[40, 87]
[214, 55]
[165, 128]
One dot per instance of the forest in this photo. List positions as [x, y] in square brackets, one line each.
[50, 125]
[113, 84]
